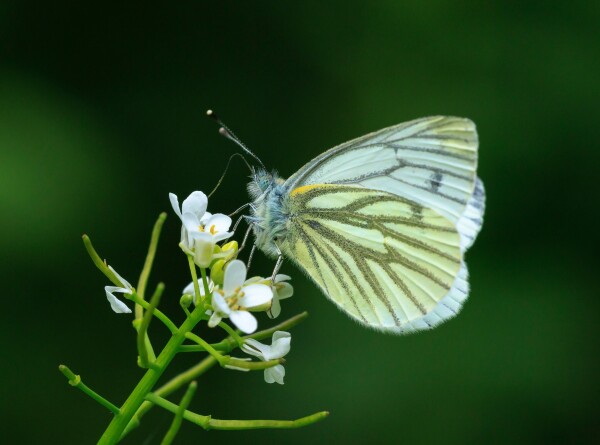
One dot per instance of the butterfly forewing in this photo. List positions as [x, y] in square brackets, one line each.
[387, 261]
[431, 161]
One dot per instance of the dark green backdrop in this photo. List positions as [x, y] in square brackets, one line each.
[102, 114]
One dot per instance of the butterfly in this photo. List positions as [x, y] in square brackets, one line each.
[381, 223]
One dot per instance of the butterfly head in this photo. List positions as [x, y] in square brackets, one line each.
[262, 182]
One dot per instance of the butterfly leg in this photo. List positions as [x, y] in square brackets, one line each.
[251, 255]
[278, 264]
[245, 239]
[237, 223]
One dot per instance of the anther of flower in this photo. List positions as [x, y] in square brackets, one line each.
[117, 305]
[280, 346]
[236, 298]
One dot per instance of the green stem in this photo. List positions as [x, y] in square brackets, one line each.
[145, 274]
[170, 387]
[218, 424]
[198, 348]
[116, 427]
[87, 242]
[146, 354]
[228, 344]
[75, 380]
[209, 423]
[230, 362]
[195, 279]
[196, 371]
[239, 340]
[207, 347]
[170, 406]
[206, 287]
[185, 402]
[157, 313]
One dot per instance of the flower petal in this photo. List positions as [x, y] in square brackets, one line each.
[220, 222]
[123, 281]
[255, 348]
[214, 320]
[175, 204]
[255, 295]
[219, 304]
[284, 290]
[220, 236]
[117, 305]
[281, 344]
[244, 321]
[196, 203]
[189, 289]
[275, 374]
[204, 248]
[183, 239]
[253, 280]
[275, 309]
[235, 275]
[191, 222]
[282, 277]
[205, 217]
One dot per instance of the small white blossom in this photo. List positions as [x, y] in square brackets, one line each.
[191, 290]
[281, 290]
[193, 208]
[201, 230]
[235, 299]
[117, 305]
[280, 346]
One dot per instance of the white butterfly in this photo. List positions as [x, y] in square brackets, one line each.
[381, 223]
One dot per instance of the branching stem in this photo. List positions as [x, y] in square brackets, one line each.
[75, 380]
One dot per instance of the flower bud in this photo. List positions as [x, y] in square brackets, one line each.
[186, 300]
[230, 249]
[217, 273]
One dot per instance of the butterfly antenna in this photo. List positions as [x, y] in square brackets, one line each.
[226, 132]
[227, 168]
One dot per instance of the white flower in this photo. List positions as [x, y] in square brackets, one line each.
[117, 305]
[280, 346]
[193, 209]
[235, 299]
[190, 289]
[201, 230]
[281, 291]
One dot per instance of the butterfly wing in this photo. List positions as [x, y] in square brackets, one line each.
[389, 262]
[431, 161]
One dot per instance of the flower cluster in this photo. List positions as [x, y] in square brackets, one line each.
[226, 293]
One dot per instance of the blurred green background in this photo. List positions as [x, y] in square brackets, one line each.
[102, 114]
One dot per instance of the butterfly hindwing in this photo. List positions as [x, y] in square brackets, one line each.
[389, 262]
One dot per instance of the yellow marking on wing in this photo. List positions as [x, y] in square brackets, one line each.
[306, 188]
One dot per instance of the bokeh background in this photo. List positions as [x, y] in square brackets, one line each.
[102, 114]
